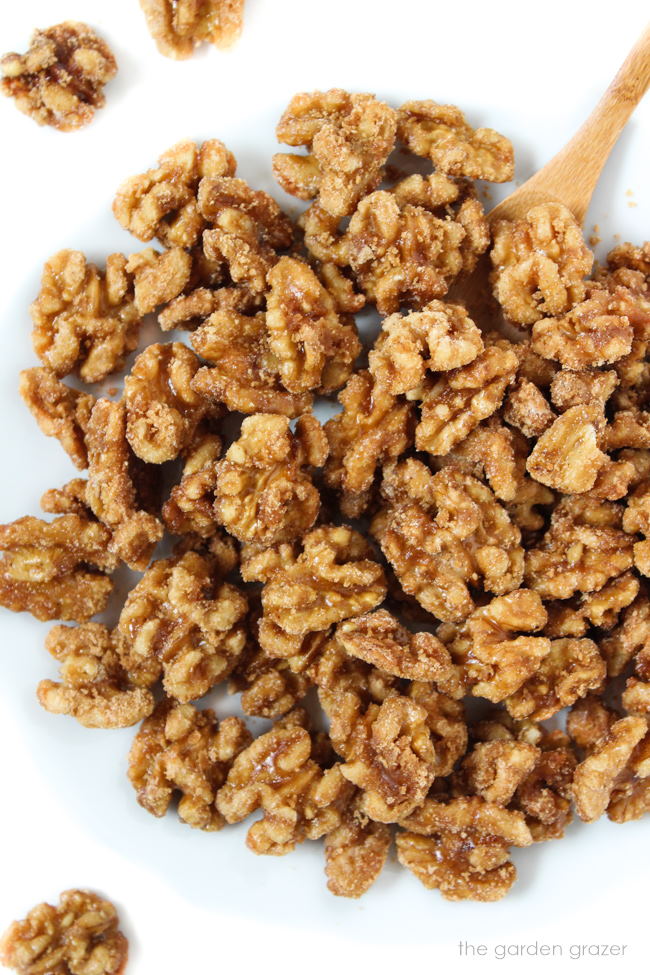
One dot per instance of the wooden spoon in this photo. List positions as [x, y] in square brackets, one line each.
[571, 176]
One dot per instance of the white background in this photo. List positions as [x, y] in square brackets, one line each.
[202, 903]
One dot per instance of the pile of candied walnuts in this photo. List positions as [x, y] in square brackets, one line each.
[498, 488]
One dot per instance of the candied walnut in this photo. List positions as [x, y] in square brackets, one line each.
[332, 579]
[79, 937]
[443, 532]
[94, 689]
[182, 624]
[314, 347]
[583, 549]
[494, 770]
[60, 80]
[636, 696]
[59, 410]
[582, 388]
[348, 138]
[85, 320]
[355, 854]
[539, 263]
[340, 287]
[592, 333]
[381, 640]
[629, 428]
[298, 799]
[459, 400]
[493, 662]
[158, 278]
[374, 427]
[446, 722]
[180, 749]
[390, 757]
[629, 639]
[263, 491]
[572, 618]
[179, 26]
[222, 193]
[68, 500]
[567, 456]
[244, 373]
[490, 452]
[461, 848]
[441, 133]
[55, 570]
[597, 778]
[545, 795]
[629, 256]
[527, 409]
[191, 310]
[162, 409]
[111, 490]
[436, 339]
[190, 506]
[162, 202]
[269, 685]
[571, 669]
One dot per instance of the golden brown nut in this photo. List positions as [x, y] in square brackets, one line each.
[539, 263]
[299, 800]
[441, 133]
[495, 769]
[631, 638]
[332, 579]
[269, 684]
[180, 749]
[490, 452]
[348, 138]
[244, 374]
[628, 256]
[545, 795]
[438, 338]
[457, 401]
[85, 320]
[190, 506]
[59, 410]
[314, 346]
[162, 409]
[79, 936]
[610, 761]
[263, 491]
[582, 388]
[442, 533]
[592, 333]
[567, 456]
[462, 848]
[381, 640]
[527, 409]
[572, 618]
[190, 310]
[355, 854]
[158, 277]
[68, 500]
[60, 80]
[583, 548]
[56, 570]
[162, 202]
[94, 689]
[179, 26]
[182, 624]
[571, 669]
[111, 490]
[374, 427]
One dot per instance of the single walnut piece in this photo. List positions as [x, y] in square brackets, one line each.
[592, 333]
[601, 779]
[332, 579]
[582, 388]
[572, 618]
[381, 640]
[79, 937]
[244, 374]
[630, 639]
[494, 662]
[162, 409]
[111, 490]
[527, 408]
[567, 456]
[189, 508]
[355, 854]
[539, 263]
[269, 685]
[299, 800]
[59, 410]
[491, 452]
[94, 689]
[459, 400]
[56, 570]
[441, 133]
[182, 624]
[436, 339]
[158, 278]
[68, 500]
[495, 769]
[84, 320]
[374, 427]
[179, 26]
[60, 81]
[180, 749]
[314, 346]
[442, 532]
[583, 549]
[462, 848]
[263, 491]
[162, 202]
[348, 138]
[571, 669]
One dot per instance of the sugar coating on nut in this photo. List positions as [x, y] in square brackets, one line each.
[59, 410]
[179, 26]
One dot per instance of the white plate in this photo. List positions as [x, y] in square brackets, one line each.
[68, 816]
